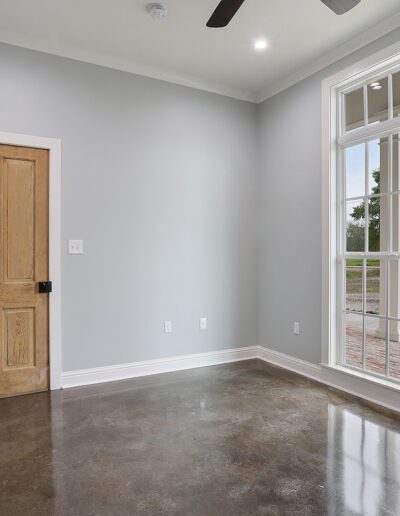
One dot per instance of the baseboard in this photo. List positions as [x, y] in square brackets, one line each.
[290, 363]
[386, 396]
[163, 365]
[369, 390]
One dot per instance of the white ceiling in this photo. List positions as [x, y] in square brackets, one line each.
[121, 34]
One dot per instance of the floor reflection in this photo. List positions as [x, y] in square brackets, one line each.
[363, 466]
[234, 439]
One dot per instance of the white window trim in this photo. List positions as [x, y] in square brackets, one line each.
[54, 147]
[369, 67]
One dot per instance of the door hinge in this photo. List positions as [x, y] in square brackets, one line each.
[45, 287]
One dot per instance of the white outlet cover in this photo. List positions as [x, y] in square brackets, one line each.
[296, 328]
[203, 323]
[167, 326]
[75, 246]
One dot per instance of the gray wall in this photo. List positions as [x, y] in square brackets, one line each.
[159, 181]
[290, 229]
[190, 204]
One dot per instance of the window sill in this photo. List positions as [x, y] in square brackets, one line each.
[387, 384]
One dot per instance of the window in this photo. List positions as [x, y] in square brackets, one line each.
[365, 222]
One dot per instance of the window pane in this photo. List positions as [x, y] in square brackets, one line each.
[354, 285]
[355, 226]
[394, 349]
[394, 291]
[354, 105]
[396, 94]
[396, 163]
[378, 160]
[354, 339]
[395, 223]
[376, 287]
[378, 101]
[375, 345]
[377, 224]
[355, 171]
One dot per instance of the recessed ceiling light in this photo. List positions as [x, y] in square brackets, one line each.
[260, 44]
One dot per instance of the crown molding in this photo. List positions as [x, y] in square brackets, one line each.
[347, 48]
[125, 65]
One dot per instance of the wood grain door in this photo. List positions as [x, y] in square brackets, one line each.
[24, 206]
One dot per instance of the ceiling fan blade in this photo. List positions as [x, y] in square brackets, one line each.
[340, 6]
[224, 13]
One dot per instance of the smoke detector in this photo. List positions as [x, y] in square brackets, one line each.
[157, 11]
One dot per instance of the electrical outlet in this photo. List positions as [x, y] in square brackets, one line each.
[296, 328]
[167, 326]
[203, 323]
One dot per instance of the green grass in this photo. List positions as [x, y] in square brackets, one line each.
[357, 262]
[354, 276]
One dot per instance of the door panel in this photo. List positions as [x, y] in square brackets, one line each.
[19, 219]
[24, 355]
[19, 339]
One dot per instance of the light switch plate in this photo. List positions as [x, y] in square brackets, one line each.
[167, 326]
[75, 246]
[296, 328]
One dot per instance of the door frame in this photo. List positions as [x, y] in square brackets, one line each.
[53, 145]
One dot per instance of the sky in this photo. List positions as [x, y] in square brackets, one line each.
[355, 168]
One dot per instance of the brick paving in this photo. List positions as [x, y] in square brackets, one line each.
[375, 352]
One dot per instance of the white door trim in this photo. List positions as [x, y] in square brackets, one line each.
[54, 147]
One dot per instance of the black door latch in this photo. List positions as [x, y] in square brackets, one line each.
[45, 287]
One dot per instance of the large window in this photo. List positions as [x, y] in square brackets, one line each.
[368, 223]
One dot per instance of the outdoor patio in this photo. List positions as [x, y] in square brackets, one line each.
[375, 352]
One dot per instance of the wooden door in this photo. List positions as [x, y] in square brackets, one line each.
[24, 206]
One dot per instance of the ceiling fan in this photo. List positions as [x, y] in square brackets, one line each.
[227, 9]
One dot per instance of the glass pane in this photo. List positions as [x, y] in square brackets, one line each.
[355, 171]
[394, 291]
[354, 285]
[355, 226]
[378, 101]
[378, 160]
[375, 345]
[377, 224]
[396, 94]
[394, 349]
[396, 163]
[395, 223]
[354, 105]
[376, 287]
[354, 339]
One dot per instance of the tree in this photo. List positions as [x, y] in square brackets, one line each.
[374, 216]
[355, 237]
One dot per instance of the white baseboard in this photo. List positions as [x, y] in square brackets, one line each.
[358, 385]
[290, 363]
[149, 367]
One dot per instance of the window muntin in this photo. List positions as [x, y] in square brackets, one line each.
[369, 237]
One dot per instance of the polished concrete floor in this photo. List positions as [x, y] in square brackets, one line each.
[233, 440]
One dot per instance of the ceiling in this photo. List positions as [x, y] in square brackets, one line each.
[122, 35]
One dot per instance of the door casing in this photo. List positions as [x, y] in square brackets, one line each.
[53, 145]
